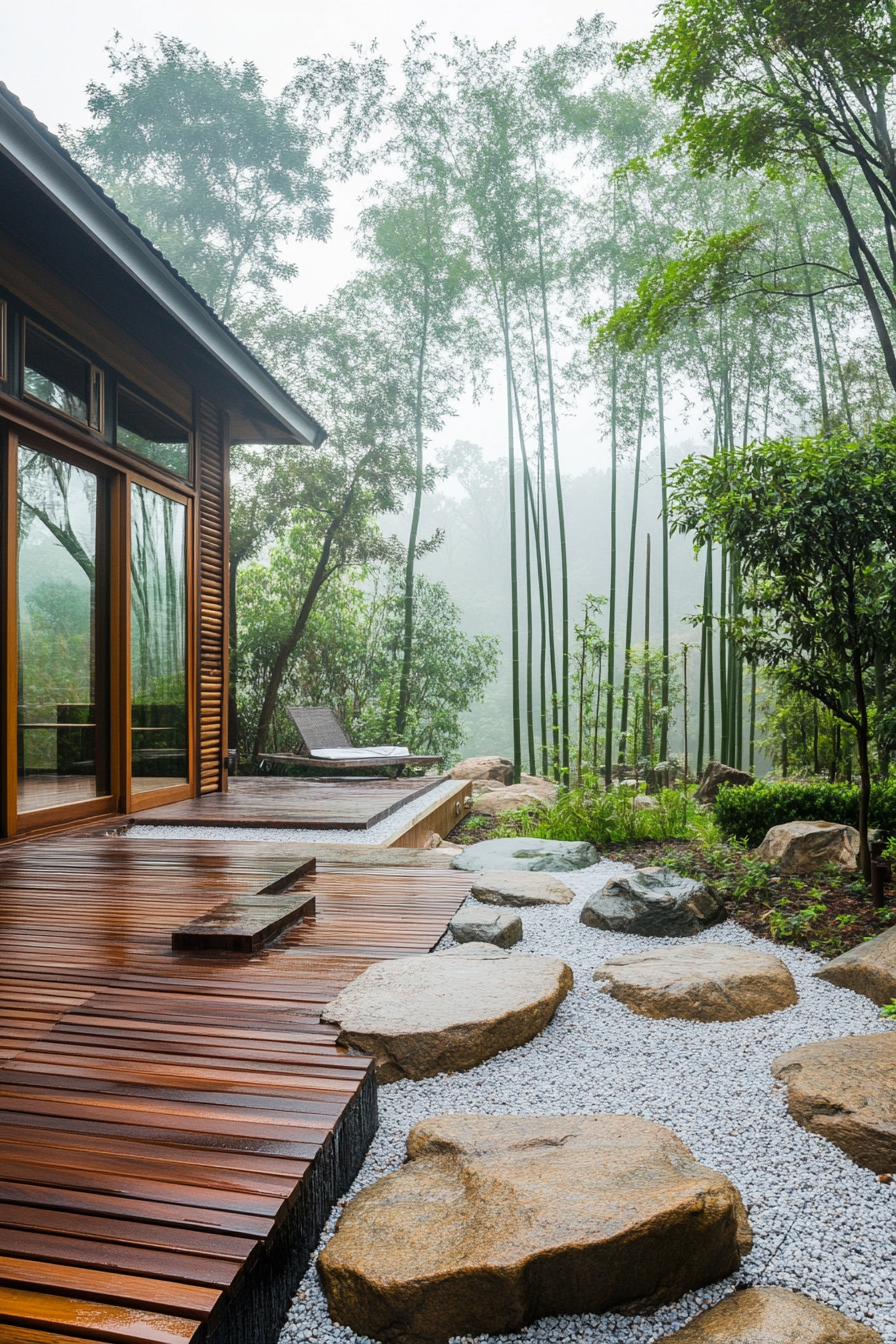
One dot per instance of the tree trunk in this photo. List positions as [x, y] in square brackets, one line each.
[630, 596]
[289, 645]
[561, 523]
[404, 687]
[864, 766]
[514, 595]
[530, 723]
[664, 688]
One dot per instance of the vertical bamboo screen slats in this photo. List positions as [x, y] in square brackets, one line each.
[211, 481]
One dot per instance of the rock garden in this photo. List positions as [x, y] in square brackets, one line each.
[621, 1103]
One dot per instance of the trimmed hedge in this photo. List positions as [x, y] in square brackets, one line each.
[748, 811]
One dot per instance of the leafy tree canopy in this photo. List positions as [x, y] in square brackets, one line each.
[213, 170]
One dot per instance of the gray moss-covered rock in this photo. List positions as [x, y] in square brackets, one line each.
[534, 856]
[486, 926]
[653, 902]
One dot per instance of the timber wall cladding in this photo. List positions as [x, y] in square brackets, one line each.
[212, 651]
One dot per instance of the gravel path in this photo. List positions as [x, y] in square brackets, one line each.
[820, 1223]
[375, 835]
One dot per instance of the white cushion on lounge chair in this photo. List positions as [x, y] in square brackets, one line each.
[357, 753]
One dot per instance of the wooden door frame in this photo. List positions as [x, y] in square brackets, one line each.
[119, 475]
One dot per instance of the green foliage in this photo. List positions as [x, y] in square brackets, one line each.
[747, 812]
[889, 1009]
[605, 818]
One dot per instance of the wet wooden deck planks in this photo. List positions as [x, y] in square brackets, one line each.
[174, 1127]
[294, 804]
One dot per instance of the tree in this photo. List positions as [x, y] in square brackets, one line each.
[213, 170]
[792, 88]
[351, 368]
[813, 522]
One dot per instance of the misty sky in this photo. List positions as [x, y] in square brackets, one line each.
[48, 56]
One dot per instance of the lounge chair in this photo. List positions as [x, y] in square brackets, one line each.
[327, 747]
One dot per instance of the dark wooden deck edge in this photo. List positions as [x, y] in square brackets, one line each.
[257, 1310]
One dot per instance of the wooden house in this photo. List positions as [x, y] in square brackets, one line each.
[120, 395]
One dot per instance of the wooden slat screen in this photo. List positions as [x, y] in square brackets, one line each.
[212, 598]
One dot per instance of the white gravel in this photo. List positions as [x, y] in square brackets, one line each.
[820, 1223]
[375, 835]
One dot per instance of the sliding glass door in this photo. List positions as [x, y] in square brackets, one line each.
[62, 743]
[159, 721]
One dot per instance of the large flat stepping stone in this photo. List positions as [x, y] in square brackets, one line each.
[524, 854]
[845, 1090]
[709, 982]
[772, 1316]
[486, 926]
[419, 1016]
[868, 969]
[498, 1220]
[653, 902]
[807, 846]
[519, 888]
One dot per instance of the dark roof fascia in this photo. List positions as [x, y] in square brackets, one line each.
[40, 155]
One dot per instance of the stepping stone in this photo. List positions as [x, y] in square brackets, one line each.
[845, 1090]
[419, 1016]
[868, 969]
[486, 926]
[524, 854]
[710, 982]
[514, 887]
[772, 1316]
[807, 846]
[654, 902]
[496, 1221]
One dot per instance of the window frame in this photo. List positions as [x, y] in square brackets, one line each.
[96, 382]
[122, 384]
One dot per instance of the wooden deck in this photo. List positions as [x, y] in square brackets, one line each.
[175, 1127]
[294, 804]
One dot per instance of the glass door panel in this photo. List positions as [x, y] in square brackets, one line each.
[158, 641]
[62, 744]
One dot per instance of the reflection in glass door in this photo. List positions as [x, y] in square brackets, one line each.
[62, 745]
[158, 641]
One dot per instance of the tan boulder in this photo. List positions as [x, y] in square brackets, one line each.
[868, 969]
[512, 798]
[845, 1090]
[483, 767]
[642, 802]
[519, 888]
[709, 982]
[806, 846]
[714, 776]
[498, 1220]
[772, 1316]
[419, 1016]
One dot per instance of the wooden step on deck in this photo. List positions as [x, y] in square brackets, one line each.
[175, 1127]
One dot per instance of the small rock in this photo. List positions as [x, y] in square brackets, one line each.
[712, 982]
[845, 1090]
[642, 802]
[432, 841]
[496, 1221]
[483, 767]
[772, 1316]
[486, 926]
[806, 846]
[519, 888]
[714, 776]
[868, 969]
[419, 1016]
[653, 902]
[527, 855]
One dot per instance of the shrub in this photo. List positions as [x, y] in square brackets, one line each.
[748, 811]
